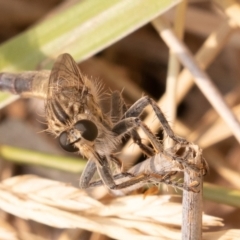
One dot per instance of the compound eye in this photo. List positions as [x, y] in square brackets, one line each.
[88, 129]
[63, 143]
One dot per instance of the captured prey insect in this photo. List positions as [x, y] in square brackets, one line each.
[163, 168]
[74, 114]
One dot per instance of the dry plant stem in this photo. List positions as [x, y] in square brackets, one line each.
[219, 130]
[205, 56]
[231, 8]
[210, 117]
[173, 68]
[221, 167]
[201, 78]
[192, 204]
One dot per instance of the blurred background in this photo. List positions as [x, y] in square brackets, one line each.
[138, 65]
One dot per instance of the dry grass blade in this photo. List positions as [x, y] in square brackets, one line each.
[205, 56]
[7, 232]
[222, 168]
[63, 206]
[219, 130]
[202, 80]
[223, 235]
[210, 118]
[174, 67]
[231, 8]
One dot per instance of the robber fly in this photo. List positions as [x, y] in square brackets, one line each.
[75, 116]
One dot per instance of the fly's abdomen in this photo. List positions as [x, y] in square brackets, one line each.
[27, 84]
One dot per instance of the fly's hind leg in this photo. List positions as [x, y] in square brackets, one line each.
[167, 179]
[148, 178]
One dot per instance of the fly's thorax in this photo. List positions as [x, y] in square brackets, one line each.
[106, 142]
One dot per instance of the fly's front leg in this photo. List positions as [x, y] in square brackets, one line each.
[105, 174]
[87, 174]
[136, 109]
[137, 139]
[104, 171]
[118, 108]
[139, 176]
[129, 125]
[102, 166]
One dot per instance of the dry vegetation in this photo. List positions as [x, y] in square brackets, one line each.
[140, 64]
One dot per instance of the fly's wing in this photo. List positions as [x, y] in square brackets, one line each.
[65, 86]
[65, 74]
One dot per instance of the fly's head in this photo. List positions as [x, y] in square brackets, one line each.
[73, 124]
[80, 137]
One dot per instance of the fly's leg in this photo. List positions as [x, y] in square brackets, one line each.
[109, 180]
[105, 174]
[138, 178]
[148, 178]
[115, 177]
[101, 164]
[157, 178]
[128, 124]
[145, 149]
[103, 170]
[87, 174]
[136, 109]
[118, 108]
